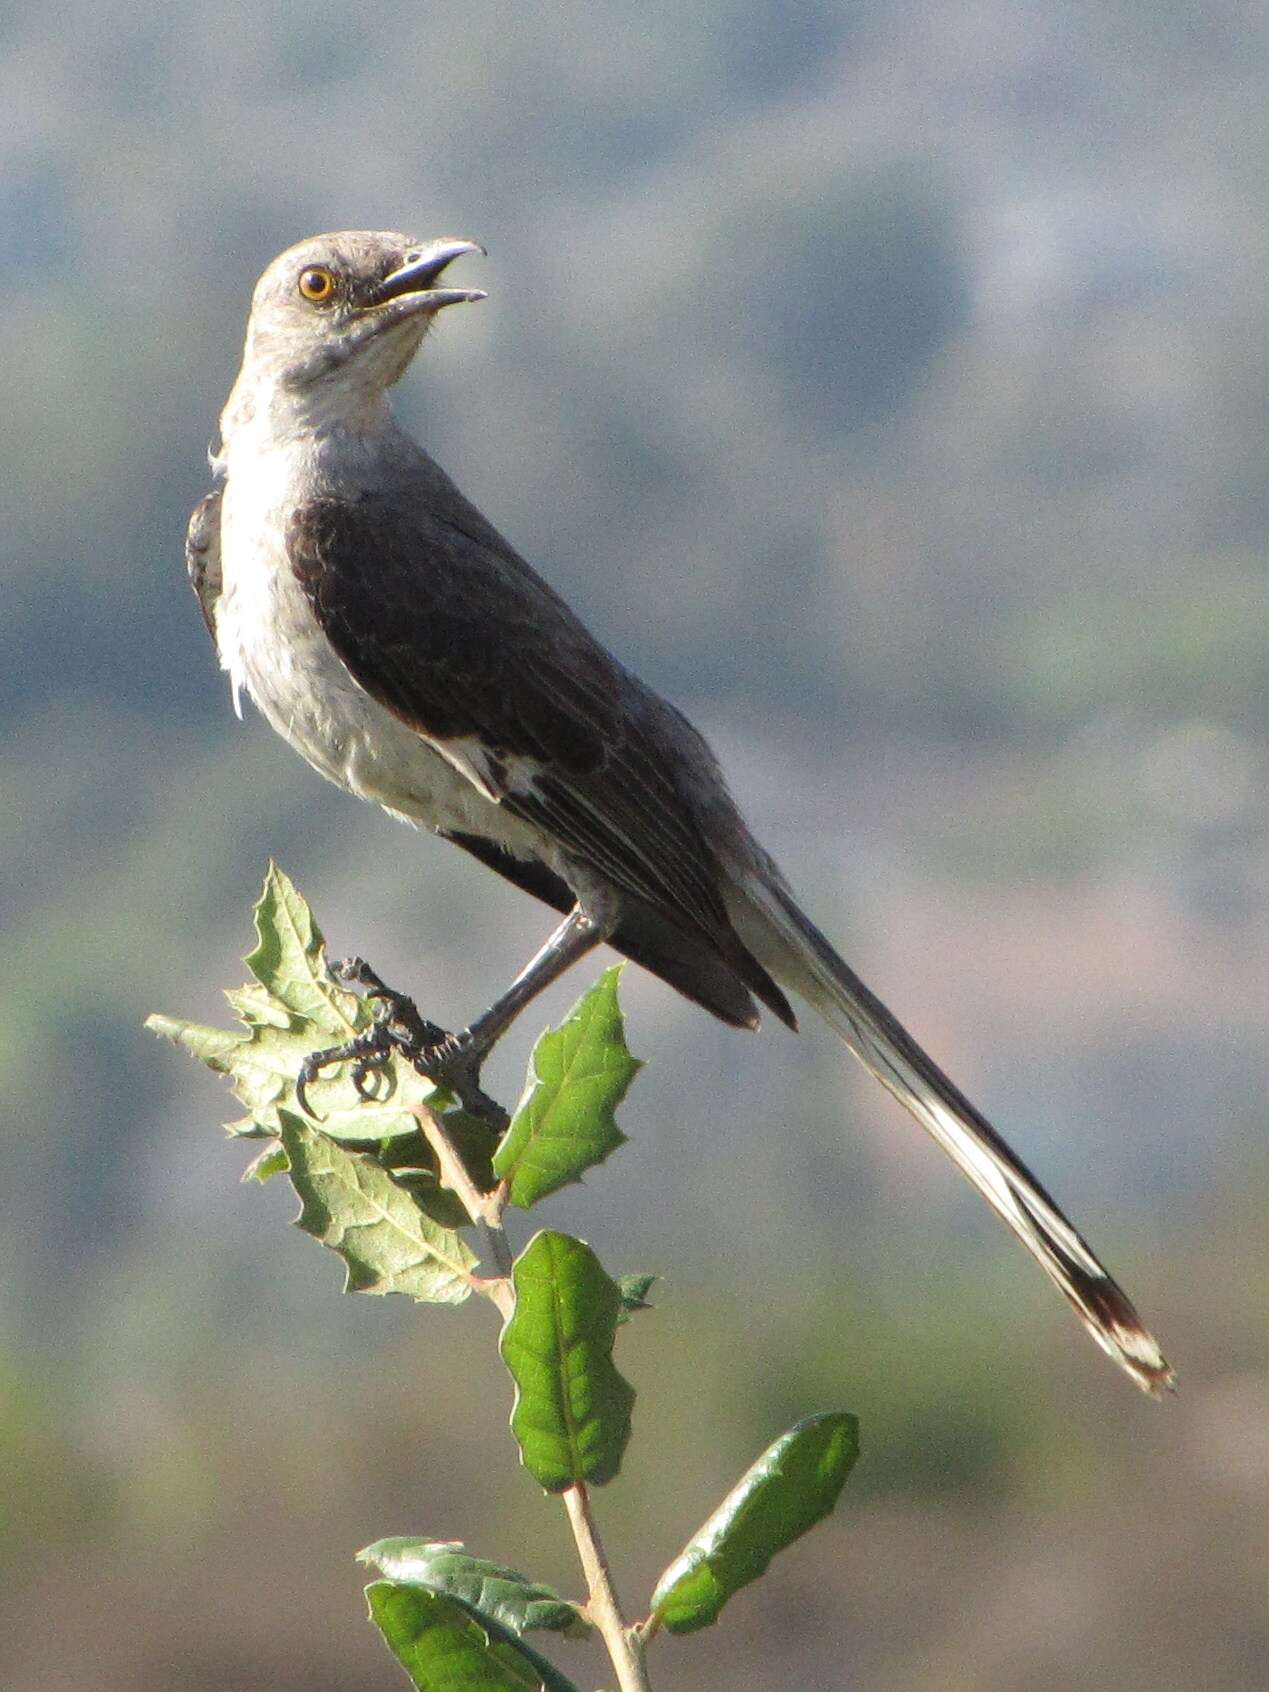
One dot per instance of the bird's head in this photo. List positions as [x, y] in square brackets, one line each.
[348, 310]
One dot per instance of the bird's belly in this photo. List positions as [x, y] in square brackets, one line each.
[273, 647]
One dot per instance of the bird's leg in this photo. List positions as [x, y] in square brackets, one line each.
[454, 1061]
[579, 933]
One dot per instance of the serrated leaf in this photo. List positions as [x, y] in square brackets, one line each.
[633, 1291]
[288, 958]
[443, 1565]
[352, 1204]
[442, 1205]
[295, 1007]
[446, 1646]
[216, 1047]
[793, 1485]
[578, 1075]
[572, 1409]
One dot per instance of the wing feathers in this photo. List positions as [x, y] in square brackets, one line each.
[439, 620]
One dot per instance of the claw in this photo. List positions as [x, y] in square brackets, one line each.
[451, 1061]
[368, 1050]
[363, 1069]
[308, 1073]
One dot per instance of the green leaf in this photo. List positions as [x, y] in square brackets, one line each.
[353, 1205]
[572, 1410]
[295, 1007]
[793, 1485]
[442, 1205]
[266, 1164]
[446, 1646]
[216, 1047]
[634, 1290]
[444, 1566]
[289, 956]
[578, 1076]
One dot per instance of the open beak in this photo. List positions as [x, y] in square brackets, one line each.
[410, 290]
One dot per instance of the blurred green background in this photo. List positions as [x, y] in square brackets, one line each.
[888, 381]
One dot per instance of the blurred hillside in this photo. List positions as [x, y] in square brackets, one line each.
[889, 383]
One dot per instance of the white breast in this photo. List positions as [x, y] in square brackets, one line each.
[273, 648]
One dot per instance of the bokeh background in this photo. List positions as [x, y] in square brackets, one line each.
[889, 382]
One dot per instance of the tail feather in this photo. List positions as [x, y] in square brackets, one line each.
[789, 945]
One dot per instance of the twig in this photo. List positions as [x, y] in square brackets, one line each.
[485, 1209]
[625, 1646]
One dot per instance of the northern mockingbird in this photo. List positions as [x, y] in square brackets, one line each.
[402, 646]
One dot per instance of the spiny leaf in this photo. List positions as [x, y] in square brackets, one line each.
[445, 1645]
[353, 1205]
[289, 957]
[412, 1163]
[293, 1008]
[793, 1485]
[216, 1047]
[444, 1566]
[572, 1410]
[578, 1075]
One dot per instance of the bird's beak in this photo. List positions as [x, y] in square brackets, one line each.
[409, 291]
[405, 295]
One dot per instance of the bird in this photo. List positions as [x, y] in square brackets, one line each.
[386, 630]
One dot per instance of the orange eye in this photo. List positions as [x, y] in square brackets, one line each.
[317, 284]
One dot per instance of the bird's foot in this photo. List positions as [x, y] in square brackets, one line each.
[452, 1061]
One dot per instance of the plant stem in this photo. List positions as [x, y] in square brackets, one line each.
[485, 1209]
[624, 1645]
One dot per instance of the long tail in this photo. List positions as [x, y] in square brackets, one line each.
[789, 945]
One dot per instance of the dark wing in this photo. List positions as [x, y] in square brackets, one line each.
[202, 556]
[438, 619]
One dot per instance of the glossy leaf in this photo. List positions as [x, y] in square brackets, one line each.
[445, 1645]
[578, 1075]
[572, 1409]
[793, 1485]
[443, 1565]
